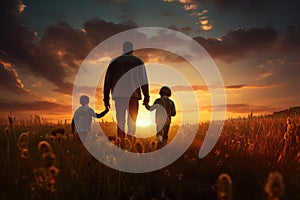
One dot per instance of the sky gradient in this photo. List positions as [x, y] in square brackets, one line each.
[255, 45]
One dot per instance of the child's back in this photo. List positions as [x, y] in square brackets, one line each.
[165, 111]
[83, 118]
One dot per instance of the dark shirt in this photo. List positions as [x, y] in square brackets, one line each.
[165, 109]
[117, 68]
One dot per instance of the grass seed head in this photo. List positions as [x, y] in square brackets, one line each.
[224, 187]
[44, 147]
[275, 185]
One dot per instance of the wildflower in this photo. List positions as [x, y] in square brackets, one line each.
[180, 176]
[118, 141]
[139, 148]
[6, 131]
[224, 187]
[56, 131]
[24, 153]
[152, 146]
[54, 171]
[48, 159]
[23, 141]
[128, 145]
[167, 172]
[74, 174]
[275, 185]
[44, 147]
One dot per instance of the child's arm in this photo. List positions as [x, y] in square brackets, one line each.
[173, 111]
[151, 108]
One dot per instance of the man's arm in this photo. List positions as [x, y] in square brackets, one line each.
[107, 87]
[102, 114]
[145, 87]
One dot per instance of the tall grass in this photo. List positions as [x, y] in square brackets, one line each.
[36, 165]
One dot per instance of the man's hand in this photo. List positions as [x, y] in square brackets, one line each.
[107, 105]
[147, 106]
[146, 100]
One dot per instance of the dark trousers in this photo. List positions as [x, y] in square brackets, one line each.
[131, 106]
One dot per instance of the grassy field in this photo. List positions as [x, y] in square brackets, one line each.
[36, 165]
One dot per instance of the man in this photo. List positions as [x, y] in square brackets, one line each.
[125, 78]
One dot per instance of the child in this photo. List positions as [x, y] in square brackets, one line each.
[165, 109]
[83, 118]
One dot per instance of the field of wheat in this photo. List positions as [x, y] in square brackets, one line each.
[41, 160]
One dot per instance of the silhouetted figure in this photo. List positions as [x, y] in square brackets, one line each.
[82, 119]
[126, 100]
[165, 109]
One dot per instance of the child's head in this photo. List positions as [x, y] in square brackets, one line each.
[165, 91]
[84, 100]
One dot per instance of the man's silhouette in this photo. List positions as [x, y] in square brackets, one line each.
[128, 100]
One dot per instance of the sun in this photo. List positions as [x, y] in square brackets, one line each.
[143, 121]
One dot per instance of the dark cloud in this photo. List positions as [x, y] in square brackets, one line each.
[60, 49]
[33, 106]
[240, 43]
[98, 30]
[157, 56]
[16, 39]
[167, 13]
[252, 6]
[186, 29]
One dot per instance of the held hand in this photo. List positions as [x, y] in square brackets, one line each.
[106, 109]
[146, 100]
[147, 106]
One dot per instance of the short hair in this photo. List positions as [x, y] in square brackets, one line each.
[84, 100]
[127, 47]
[165, 91]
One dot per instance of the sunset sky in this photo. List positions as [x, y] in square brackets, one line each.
[254, 43]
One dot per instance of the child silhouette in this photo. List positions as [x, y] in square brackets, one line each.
[82, 118]
[165, 109]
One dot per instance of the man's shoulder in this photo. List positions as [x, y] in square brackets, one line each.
[126, 58]
[132, 57]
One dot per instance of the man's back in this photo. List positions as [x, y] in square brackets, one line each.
[120, 66]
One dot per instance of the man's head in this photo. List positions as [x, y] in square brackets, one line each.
[127, 47]
[84, 100]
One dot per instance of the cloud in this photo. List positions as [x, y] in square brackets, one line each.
[6, 106]
[264, 73]
[186, 29]
[182, 88]
[157, 56]
[193, 7]
[246, 86]
[256, 6]
[243, 108]
[241, 43]
[10, 79]
[60, 51]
